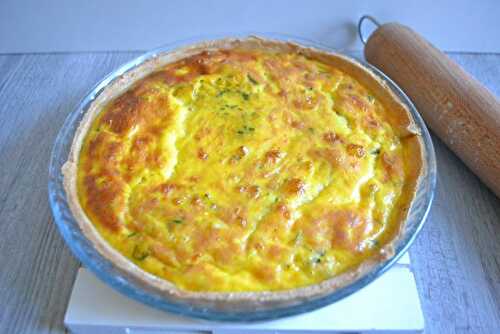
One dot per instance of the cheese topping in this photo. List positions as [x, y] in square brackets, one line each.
[237, 170]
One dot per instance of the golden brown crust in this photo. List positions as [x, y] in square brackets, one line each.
[400, 118]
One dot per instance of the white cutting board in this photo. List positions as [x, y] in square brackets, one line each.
[389, 304]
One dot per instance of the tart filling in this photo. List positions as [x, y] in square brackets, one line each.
[247, 169]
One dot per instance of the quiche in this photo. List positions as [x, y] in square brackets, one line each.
[245, 170]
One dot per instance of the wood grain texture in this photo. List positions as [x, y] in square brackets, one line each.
[459, 109]
[456, 259]
[37, 92]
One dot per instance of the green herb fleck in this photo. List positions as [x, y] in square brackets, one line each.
[252, 80]
[370, 98]
[245, 96]
[317, 257]
[245, 129]
[139, 254]
[177, 221]
[298, 238]
[222, 92]
[375, 151]
[311, 130]
[133, 234]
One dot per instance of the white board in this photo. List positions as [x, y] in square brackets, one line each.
[390, 303]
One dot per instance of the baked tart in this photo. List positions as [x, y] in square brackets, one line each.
[245, 171]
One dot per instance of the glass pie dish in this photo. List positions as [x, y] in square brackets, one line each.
[104, 269]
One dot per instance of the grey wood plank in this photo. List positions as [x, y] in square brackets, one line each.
[33, 104]
[456, 259]
[8, 66]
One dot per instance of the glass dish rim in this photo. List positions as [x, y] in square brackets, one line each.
[103, 268]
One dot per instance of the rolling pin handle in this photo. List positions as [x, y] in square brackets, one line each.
[457, 107]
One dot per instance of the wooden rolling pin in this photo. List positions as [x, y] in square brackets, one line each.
[459, 109]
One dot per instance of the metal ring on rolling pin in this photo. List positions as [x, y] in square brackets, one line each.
[360, 24]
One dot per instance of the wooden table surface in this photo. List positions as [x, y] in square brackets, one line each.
[456, 258]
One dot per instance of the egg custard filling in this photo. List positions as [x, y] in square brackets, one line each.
[246, 170]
